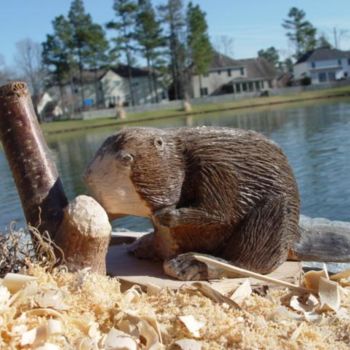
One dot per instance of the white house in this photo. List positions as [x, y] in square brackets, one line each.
[116, 88]
[227, 75]
[323, 65]
[104, 88]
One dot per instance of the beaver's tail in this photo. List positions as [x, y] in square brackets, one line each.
[322, 240]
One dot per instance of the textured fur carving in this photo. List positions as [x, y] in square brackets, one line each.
[220, 191]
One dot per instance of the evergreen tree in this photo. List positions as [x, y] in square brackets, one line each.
[56, 53]
[149, 37]
[323, 42]
[300, 32]
[125, 11]
[173, 17]
[199, 47]
[271, 55]
[87, 43]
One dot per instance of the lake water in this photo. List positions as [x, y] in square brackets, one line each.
[315, 136]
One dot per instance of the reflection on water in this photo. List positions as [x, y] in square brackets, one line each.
[315, 137]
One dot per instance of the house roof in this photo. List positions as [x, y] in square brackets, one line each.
[255, 67]
[123, 71]
[323, 54]
[220, 60]
[258, 68]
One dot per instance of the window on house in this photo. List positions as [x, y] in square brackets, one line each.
[204, 91]
[250, 86]
[229, 72]
[219, 71]
[257, 85]
[331, 76]
[270, 84]
[339, 62]
[322, 77]
[313, 64]
[238, 88]
[349, 61]
[244, 86]
[242, 71]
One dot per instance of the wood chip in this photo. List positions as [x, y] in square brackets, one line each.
[188, 344]
[242, 292]
[119, 340]
[15, 281]
[329, 292]
[192, 325]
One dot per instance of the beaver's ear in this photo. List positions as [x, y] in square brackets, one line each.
[158, 142]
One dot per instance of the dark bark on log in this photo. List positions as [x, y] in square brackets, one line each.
[35, 174]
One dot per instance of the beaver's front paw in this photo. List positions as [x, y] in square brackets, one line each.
[185, 267]
[167, 217]
[143, 248]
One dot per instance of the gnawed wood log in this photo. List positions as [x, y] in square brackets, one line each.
[35, 174]
[80, 230]
[323, 240]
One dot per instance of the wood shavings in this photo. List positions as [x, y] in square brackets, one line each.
[189, 344]
[98, 313]
[192, 325]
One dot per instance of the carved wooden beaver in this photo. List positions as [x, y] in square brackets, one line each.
[226, 192]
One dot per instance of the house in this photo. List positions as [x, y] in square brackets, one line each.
[323, 65]
[116, 88]
[105, 88]
[227, 75]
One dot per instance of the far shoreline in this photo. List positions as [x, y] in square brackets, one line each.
[256, 102]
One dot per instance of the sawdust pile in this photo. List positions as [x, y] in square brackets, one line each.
[61, 310]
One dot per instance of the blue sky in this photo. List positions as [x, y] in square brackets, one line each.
[250, 25]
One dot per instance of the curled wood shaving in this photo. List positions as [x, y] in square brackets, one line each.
[214, 295]
[311, 279]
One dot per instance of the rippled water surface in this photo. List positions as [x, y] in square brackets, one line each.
[315, 137]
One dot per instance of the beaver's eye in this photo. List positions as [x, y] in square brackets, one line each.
[158, 142]
[127, 158]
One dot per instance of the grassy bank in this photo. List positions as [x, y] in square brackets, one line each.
[72, 125]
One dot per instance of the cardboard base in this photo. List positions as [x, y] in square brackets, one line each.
[131, 270]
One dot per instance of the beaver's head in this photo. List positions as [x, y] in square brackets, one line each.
[136, 171]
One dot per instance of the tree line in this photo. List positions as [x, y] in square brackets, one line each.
[171, 40]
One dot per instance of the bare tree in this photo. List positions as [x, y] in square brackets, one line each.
[225, 45]
[5, 73]
[30, 65]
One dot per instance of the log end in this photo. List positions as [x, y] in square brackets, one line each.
[14, 90]
[84, 235]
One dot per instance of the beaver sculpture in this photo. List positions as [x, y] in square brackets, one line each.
[226, 192]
